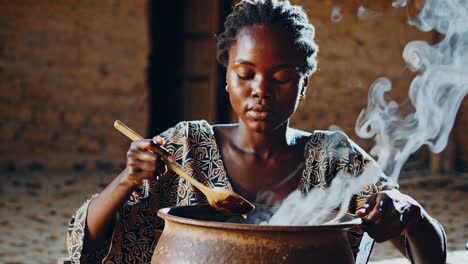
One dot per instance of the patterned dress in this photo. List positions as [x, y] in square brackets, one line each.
[194, 147]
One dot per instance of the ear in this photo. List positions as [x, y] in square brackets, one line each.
[305, 82]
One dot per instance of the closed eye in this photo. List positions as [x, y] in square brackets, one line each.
[282, 81]
[245, 76]
[283, 76]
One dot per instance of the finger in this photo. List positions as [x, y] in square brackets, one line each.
[135, 170]
[142, 155]
[362, 211]
[165, 155]
[376, 213]
[137, 157]
[149, 157]
[144, 144]
[158, 140]
[367, 207]
[138, 166]
[147, 145]
[380, 210]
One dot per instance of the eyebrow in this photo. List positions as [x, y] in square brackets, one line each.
[240, 61]
[279, 66]
[285, 65]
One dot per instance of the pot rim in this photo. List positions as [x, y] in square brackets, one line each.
[164, 213]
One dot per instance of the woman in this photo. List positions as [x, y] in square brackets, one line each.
[269, 52]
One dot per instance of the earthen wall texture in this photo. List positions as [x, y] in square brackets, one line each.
[68, 69]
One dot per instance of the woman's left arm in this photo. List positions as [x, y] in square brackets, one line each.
[391, 215]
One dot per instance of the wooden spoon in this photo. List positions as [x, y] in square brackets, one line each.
[220, 199]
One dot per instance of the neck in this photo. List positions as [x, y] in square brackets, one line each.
[262, 145]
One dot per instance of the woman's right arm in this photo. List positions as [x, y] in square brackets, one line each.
[142, 163]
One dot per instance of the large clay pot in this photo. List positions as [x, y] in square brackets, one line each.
[199, 234]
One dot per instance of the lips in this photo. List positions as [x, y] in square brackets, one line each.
[259, 112]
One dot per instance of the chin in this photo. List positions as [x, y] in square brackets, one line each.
[261, 126]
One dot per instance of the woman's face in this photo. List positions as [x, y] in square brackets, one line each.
[263, 77]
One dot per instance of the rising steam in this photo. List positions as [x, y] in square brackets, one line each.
[436, 92]
[314, 209]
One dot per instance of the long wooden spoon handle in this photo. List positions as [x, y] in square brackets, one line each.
[124, 129]
[119, 125]
[162, 152]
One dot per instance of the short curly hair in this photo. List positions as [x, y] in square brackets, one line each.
[270, 12]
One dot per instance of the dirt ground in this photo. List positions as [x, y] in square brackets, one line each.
[35, 208]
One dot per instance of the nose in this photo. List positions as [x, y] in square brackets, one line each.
[260, 88]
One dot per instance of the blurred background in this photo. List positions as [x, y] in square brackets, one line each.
[68, 69]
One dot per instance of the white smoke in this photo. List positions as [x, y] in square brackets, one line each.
[362, 12]
[335, 15]
[435, 93]
[315, 208]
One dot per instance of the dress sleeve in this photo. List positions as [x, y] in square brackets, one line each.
[360, 199]
[348, 157]
[75, 237]
[382, 184]
[133, 238]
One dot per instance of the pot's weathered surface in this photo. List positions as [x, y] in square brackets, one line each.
[204, 238]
